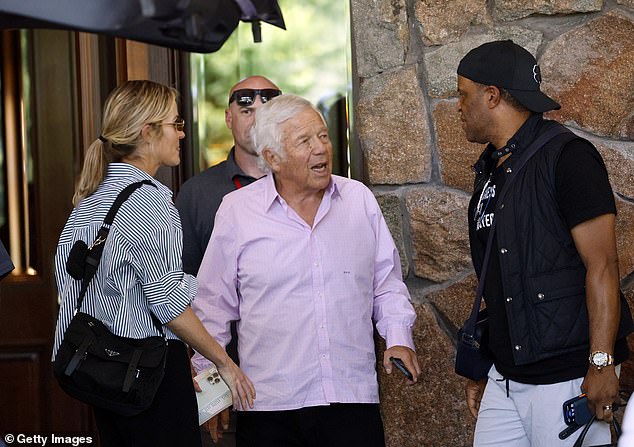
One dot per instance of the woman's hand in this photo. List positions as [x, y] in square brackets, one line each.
[188, 328]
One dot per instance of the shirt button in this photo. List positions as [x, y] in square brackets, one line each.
[504, 251]
[518, 347]
[509, 299]
[540, 296]
[502, 206]
[509, 170]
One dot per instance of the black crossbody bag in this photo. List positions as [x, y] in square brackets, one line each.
[473, 359]
[92, 364]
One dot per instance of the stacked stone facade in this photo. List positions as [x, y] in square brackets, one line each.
[419, 164]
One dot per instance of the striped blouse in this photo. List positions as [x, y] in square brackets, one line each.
[140, 270]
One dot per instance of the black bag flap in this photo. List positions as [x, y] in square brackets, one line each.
[108, 346]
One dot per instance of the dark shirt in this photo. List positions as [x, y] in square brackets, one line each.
[6, 266]
[197, 203]
[582, 192]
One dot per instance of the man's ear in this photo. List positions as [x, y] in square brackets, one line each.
[228, 118]
[271, 158]
[493, 95]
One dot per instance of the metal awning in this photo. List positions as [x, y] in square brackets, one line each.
[200, 26]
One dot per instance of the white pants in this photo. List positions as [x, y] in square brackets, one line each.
[531, 416]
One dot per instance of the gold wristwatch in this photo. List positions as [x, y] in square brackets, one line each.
[600, 359]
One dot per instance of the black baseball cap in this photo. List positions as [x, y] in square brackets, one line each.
[507, 65]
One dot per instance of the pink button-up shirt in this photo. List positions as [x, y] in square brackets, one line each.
[304, 297]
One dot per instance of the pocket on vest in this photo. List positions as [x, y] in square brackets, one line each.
[559, 311]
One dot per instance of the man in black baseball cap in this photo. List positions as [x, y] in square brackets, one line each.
[553, 265]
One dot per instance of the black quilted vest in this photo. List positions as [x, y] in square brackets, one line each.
[543, 277]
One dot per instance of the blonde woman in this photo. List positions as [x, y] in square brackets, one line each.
[140, 273]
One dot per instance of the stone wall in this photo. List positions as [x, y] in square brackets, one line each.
[418, 162]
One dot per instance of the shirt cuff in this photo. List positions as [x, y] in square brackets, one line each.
[399, 336]
[171, 295]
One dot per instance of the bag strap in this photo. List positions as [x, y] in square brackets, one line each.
[615, 425]
[536, 145]
[95, 250]
[132, 372]
[79, 355]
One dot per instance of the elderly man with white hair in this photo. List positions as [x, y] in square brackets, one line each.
[304, 262]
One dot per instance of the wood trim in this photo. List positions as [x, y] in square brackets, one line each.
[189, 154]
[137, 60]
[11, 124]
[121, 60]
[88, 75]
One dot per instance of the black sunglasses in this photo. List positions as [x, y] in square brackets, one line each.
[246, 96]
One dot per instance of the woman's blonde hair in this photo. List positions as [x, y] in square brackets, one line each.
[128, 108]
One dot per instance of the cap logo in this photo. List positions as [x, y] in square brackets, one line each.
[537, 74]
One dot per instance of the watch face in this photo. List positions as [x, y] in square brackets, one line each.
[600, 358]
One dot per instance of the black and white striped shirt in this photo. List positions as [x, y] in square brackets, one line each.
[141, 268]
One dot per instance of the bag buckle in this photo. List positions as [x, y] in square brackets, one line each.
[100, 240]
[470, 341]
[80, 355]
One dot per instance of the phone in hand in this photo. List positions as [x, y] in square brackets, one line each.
[576, 411]
[401, 367]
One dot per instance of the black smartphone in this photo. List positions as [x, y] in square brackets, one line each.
[576, 411]
[401, 367]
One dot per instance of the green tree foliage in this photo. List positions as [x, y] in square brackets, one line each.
[309, 59]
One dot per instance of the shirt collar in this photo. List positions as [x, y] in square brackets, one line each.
[232, 168]
[271, 194]
[521, 139]
[125, 171]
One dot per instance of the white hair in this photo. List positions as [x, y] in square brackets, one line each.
[266, 132]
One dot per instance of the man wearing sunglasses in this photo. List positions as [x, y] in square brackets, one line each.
[200, 196]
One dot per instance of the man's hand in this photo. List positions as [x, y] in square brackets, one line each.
[217, 425]
[473, 393]
[602, 389]
[407, 356]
